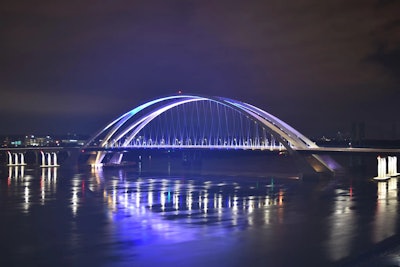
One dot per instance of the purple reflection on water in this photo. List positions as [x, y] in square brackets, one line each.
[181, 219]
[120, 218]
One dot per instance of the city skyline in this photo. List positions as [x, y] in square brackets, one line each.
[319, 66]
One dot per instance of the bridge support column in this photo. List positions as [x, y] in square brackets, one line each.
[43, 159]
[22, 158]
[55, 159]
[116, 158]
[16, 159]
[49, 159]
[392, 166]
[382, 169]
[311, 165]
[95, 160]
[10, 161]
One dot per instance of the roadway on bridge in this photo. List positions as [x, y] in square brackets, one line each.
[303, 150]
[350, 150]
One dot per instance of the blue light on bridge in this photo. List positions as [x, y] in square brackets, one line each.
[198, 122]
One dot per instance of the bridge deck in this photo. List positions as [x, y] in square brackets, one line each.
[308, 150]
[350, 150]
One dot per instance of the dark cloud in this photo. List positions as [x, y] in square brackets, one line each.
[386, 40]
[389, 59]
[385, 3]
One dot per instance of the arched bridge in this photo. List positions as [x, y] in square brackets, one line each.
[201, 122]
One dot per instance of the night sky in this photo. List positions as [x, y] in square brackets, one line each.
[72, 66]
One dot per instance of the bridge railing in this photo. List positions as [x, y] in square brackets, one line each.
[201, 146]
[212, 143]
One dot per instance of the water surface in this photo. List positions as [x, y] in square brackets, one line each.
[57, 217]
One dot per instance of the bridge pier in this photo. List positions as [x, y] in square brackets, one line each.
[116, 158]
[392, 166]
[16, 159]
[313, 164]
[382, 169]
[95, 160]
[49, 159]
[387, 168]
[98, 159]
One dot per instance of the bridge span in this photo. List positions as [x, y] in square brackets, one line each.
[196, 122]
[350, 150]
[206, 122]
[315, 150]
[187, 154]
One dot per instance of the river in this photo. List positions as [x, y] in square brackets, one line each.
[130, 217]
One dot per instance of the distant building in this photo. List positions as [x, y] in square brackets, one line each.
[32, 140]
[358, 132]
[394, 131]
[72, 142]
[12, 141]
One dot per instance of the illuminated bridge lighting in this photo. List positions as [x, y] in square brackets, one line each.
[198, 122]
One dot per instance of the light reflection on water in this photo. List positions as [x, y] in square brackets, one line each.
[191, 202]
[257, 216]
[342, 225]
[386, 210]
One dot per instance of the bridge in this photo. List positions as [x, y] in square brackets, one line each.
[197, 122]
[194, 121]
[201, 122]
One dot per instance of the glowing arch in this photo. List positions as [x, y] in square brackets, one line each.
[124, 129]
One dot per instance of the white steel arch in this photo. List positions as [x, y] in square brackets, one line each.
[123, 128]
